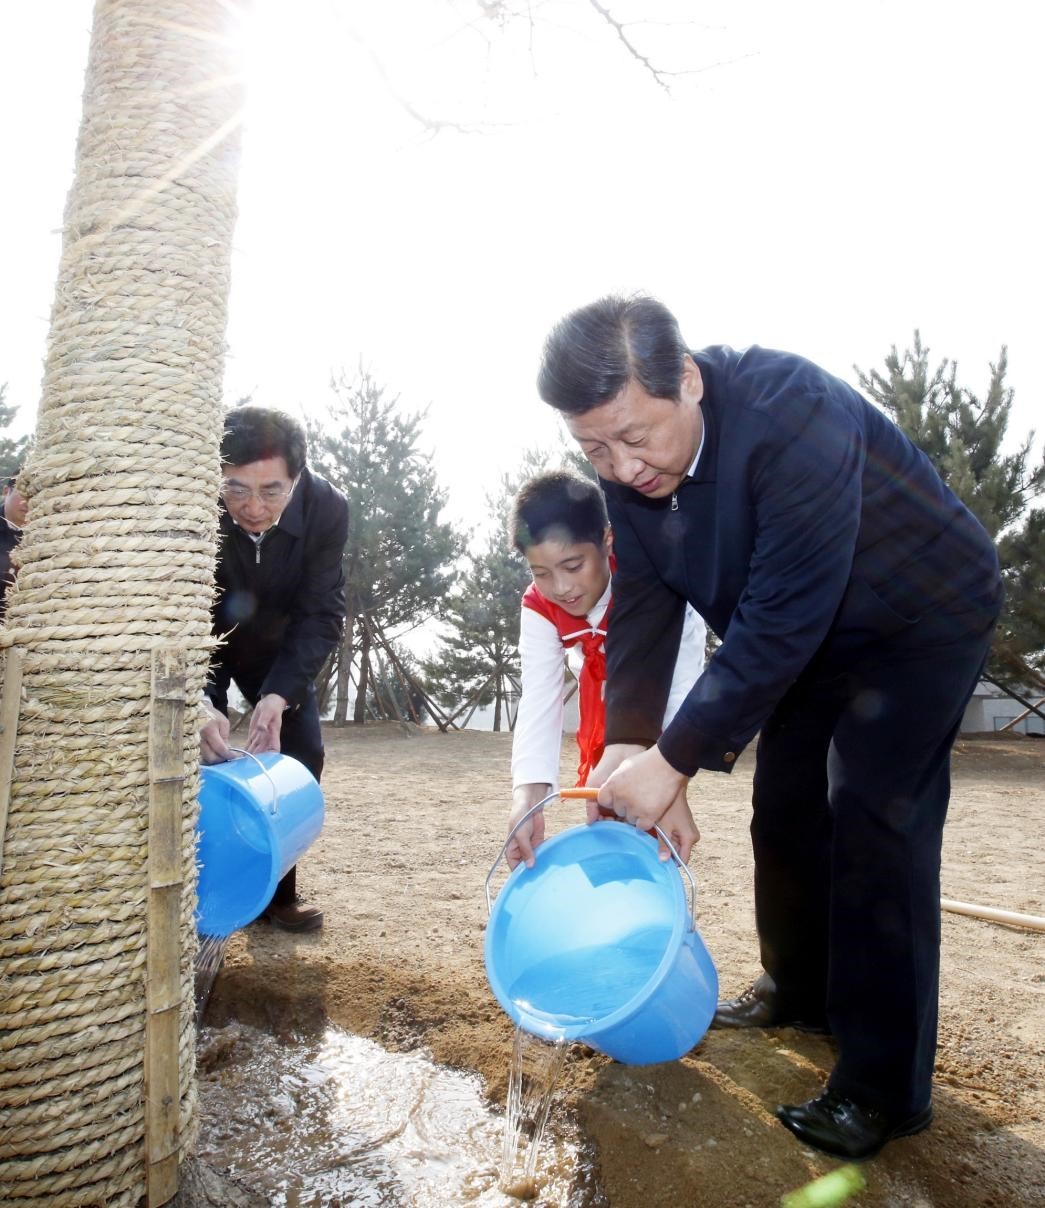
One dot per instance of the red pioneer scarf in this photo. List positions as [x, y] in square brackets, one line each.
[575, 631]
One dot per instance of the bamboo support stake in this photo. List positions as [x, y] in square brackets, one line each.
[353, 681]
[474, 697]
[1015, 721]
[382, 693]
[163, 992]
[994, 915]
[10, 707]
[406, 690]
[440, 717]
[1010, 691]
[404, 684]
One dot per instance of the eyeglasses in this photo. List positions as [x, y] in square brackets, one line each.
[238, 493]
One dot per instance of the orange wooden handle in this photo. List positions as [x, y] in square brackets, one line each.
[586, 793]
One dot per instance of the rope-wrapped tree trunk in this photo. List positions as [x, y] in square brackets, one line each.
[114, 590]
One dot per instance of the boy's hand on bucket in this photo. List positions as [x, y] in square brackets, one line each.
[531, 833]
[646, 791]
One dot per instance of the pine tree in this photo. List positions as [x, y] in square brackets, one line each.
[399, 560]
[393, 694]
[1020, 642]
[12, 452]
[479, 660]
[963, 437]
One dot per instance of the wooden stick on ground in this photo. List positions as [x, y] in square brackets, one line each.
[994, 915]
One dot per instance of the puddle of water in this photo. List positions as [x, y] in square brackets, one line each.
[339, 1121]
[533, 1079]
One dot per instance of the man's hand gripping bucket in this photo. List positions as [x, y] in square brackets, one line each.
[595, 943]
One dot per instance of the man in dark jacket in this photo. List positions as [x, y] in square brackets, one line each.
[280, 606]
[13, 511]
[855, 598]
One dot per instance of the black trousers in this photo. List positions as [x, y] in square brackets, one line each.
[851, 787]
[302, 739]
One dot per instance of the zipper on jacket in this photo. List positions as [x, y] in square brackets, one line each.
[674, 501]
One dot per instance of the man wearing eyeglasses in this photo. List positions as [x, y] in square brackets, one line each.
[13, 510]
[280, 607]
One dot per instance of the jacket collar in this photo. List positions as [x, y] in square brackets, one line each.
[707, 466]
[292, 518]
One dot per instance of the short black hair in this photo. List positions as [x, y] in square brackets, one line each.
[592, 354]
[558, 505]
[254, 433]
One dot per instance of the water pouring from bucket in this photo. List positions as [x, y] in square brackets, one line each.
[597, 943]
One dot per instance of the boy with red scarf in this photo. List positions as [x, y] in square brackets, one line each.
[559, 525]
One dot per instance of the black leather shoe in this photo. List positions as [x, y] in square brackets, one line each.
[294, 916]
[759, 1007]
[838, 1126]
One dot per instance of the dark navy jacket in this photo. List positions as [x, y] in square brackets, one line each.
[811, 528]
[281, 602]
[9, 538]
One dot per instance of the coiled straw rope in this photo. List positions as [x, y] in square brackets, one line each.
[116, 562]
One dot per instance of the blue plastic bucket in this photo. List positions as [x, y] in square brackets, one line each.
[596, 943]
[258, 815]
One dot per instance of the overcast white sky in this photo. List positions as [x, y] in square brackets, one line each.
[829, 177]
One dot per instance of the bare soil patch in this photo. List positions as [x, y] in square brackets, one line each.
[414, 820]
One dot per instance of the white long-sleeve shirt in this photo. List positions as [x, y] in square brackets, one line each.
[537, 739]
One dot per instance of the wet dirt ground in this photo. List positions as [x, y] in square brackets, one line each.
[415, 819]
[332, 1119]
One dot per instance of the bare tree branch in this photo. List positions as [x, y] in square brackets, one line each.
[501, 13]
[630, 46]
[659, 74]
[429, 124]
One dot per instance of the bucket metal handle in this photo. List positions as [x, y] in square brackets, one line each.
[589, 794]
[273, 807]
